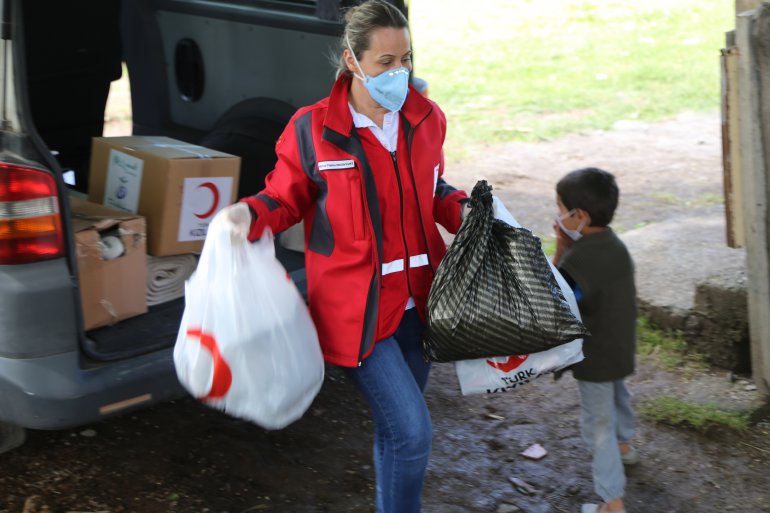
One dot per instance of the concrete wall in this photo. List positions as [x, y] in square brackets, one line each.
[746, 5]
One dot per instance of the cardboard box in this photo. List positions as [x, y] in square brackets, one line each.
[178, 187]
[115, 289]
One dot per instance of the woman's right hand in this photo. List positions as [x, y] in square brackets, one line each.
[238, 218]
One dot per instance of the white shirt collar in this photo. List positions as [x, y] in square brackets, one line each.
[387, 135]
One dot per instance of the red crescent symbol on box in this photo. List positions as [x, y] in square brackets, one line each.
[508, 365]
[222, 376]
[213, 188]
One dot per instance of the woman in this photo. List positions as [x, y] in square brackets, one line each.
[362, 168]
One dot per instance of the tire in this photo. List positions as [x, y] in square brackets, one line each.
[250, 130]
[11, 437]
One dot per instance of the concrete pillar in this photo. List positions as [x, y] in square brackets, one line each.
[746, 5]
[752, 37]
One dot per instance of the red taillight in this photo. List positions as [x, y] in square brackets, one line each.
[30, 223]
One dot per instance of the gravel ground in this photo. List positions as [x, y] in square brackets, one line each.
[185, 457]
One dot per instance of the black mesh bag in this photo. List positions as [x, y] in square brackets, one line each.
[494, 293]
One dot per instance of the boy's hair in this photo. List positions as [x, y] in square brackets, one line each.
[591, 189]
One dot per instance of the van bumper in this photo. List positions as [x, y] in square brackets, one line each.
[58, 392]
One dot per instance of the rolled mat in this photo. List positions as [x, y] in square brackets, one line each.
[166, 276]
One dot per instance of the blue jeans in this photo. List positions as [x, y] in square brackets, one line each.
[392, 380]
[607, 420]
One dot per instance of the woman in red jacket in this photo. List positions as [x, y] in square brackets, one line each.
[363, 170]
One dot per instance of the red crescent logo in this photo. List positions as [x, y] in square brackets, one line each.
[222, 376]
[508, 365]
[213, 188]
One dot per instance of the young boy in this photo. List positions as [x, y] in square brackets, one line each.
[596, 264]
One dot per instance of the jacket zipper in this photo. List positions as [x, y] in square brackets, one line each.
[416, 198]
[403, 234]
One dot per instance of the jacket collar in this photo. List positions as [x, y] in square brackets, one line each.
[338, 117]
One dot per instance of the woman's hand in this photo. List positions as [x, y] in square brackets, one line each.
[238, 218]
[465, 208]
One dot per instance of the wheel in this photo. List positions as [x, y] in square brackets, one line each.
[250, 130]
[11, 436]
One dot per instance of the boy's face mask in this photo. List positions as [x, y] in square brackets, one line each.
[389, 88]
[572, 234]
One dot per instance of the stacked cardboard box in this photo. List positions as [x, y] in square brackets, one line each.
[178, 187]
[112, 286]
[157, 195]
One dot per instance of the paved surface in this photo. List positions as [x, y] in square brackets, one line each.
[671, 213]
[674, 256]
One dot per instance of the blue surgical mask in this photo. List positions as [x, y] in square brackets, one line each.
[572, 234]
[389, 88]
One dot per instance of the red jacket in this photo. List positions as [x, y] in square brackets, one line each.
[370, 241]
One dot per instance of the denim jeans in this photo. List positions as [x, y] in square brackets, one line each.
[607, 420]
[392, 380]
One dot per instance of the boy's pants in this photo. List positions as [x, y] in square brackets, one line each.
[606, 420]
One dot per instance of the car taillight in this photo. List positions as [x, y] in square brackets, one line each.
[30, 222]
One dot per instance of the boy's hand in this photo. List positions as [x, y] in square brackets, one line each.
[563, 243]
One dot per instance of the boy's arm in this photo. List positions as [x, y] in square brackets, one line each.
[572, 284]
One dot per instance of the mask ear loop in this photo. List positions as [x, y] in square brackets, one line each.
[582, 224]
[363, 77]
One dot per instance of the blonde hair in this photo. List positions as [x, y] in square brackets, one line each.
[360, 21]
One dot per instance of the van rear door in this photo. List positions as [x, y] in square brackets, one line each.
[51, 374]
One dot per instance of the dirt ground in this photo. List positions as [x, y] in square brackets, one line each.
[185, 457]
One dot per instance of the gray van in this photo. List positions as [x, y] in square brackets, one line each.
[225, 74]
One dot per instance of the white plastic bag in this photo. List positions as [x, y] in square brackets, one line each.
[247, 344]
[491, 375]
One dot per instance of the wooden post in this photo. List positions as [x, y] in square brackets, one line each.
[731, 143]
[752, 33]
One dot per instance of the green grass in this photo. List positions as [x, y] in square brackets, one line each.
[702, 418]
[706, 200]
[549, 245]
[665, 197]
[537, 69]
[667, 349]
